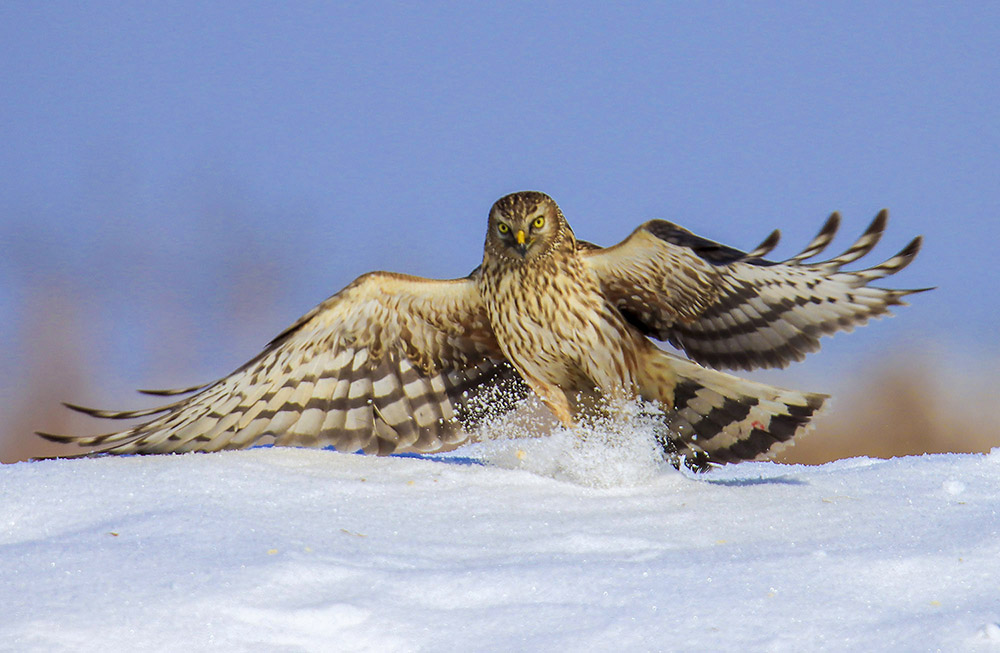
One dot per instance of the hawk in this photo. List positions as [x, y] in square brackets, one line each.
[396, 363]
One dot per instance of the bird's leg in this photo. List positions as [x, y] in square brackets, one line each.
[555, 399]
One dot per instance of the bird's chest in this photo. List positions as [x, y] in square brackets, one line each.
[551, 322]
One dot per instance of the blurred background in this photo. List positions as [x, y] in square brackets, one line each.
[180, 181]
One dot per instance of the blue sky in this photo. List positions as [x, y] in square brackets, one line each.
[236, 164]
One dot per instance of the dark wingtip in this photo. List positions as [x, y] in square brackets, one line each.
[832, 224]
[820, 241]
[119, 414]
[766, 245]
[877, 226]
[913, 247]
[93, 412]
[66, 456]
[53, 437]
[908, 253]
[157, 393]
[175, 391]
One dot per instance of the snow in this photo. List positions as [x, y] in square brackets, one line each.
[555, 543]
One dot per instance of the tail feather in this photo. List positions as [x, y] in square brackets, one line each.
[719, 418]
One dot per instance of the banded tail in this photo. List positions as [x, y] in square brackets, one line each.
[720, 418]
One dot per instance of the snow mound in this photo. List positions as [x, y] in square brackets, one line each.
[306, 550]
[617, 450]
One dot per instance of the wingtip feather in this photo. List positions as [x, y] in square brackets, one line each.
[54, 437]
[93, 412]
[766, 245]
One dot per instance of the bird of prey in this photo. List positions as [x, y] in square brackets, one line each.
[396, 363]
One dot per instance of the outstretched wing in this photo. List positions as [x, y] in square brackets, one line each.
[391, 363]
[730, 309]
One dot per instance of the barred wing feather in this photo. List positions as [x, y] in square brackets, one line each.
[730, 309]
[390, 364]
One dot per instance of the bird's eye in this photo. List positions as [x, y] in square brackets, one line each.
[503, 227]
[538, 223]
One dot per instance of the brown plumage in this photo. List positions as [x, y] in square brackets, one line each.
[395, 363]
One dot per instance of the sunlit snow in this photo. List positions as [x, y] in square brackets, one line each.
[556, 543]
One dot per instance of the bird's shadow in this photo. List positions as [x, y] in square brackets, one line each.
[468, 461]
[448, 460]
[437, 458]
[748, 482]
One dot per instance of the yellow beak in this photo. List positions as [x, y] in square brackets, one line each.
[520, 237]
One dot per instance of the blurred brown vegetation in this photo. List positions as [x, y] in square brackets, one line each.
[51, 335]
[905, 405]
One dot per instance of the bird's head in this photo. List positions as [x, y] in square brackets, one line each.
[526, 225]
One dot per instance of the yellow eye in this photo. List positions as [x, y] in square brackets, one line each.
[538, 223]
[503, 227]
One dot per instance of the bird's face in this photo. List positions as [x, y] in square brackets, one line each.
[524, 226]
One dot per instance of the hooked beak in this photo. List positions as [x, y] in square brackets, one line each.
[522, 247]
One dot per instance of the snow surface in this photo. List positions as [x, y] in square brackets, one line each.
[559, 543]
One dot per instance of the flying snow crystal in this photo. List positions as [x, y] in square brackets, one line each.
[619, 448]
